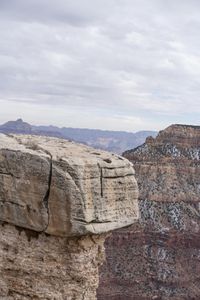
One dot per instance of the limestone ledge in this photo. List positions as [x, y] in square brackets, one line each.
[61, 188]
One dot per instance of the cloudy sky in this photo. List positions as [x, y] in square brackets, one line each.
[109, 64]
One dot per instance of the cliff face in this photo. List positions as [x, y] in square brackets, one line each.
[159, 256]
[58, 200]
[48, 267]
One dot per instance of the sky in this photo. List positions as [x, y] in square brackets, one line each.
[109, 64]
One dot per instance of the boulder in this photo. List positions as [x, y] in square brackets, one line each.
[64, 189]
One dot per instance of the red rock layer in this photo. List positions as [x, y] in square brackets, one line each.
[159, 257]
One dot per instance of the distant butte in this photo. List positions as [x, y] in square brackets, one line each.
[158, 257]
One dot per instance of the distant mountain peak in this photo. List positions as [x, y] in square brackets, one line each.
[19, 121]
[18, 126]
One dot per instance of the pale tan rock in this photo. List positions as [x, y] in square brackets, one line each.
[57, 199]
[48, 267]
[23, 185]
[65, 189]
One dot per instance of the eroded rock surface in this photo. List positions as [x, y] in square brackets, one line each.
[64, 189]
[57, 201]
[48, 267]
[159, 256]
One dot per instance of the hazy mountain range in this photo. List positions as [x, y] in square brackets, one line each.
[114, 141]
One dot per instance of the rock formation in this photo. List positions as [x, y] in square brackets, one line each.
[58, 200]
[159, 256]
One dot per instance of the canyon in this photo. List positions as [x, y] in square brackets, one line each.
[158, 257]
[80, 223]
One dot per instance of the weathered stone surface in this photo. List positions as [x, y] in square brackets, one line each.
[62, 188]
[46, 267]
[57, 199]
[159, 256]
[24, 177]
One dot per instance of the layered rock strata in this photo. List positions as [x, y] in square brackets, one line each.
[159, 256]
[58, 200]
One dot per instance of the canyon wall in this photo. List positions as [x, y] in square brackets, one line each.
[59, 200]
[159, 256]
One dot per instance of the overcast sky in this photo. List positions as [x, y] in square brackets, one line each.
[109, 64]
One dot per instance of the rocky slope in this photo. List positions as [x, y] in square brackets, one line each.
[114, 141]
[58, 200]
[159, 256]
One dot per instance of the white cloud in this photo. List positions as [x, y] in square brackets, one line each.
[137, 59]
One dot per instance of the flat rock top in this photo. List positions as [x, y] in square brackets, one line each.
[60, 148]
[168, 166]
[174, 143]
[182, 135]
[64, 188]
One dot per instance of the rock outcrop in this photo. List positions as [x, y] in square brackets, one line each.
[159, 256]
[58, 200]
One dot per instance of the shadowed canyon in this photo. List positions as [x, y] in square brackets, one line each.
[159, 256]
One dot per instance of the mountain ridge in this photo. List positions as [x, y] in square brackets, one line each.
[113, 141]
